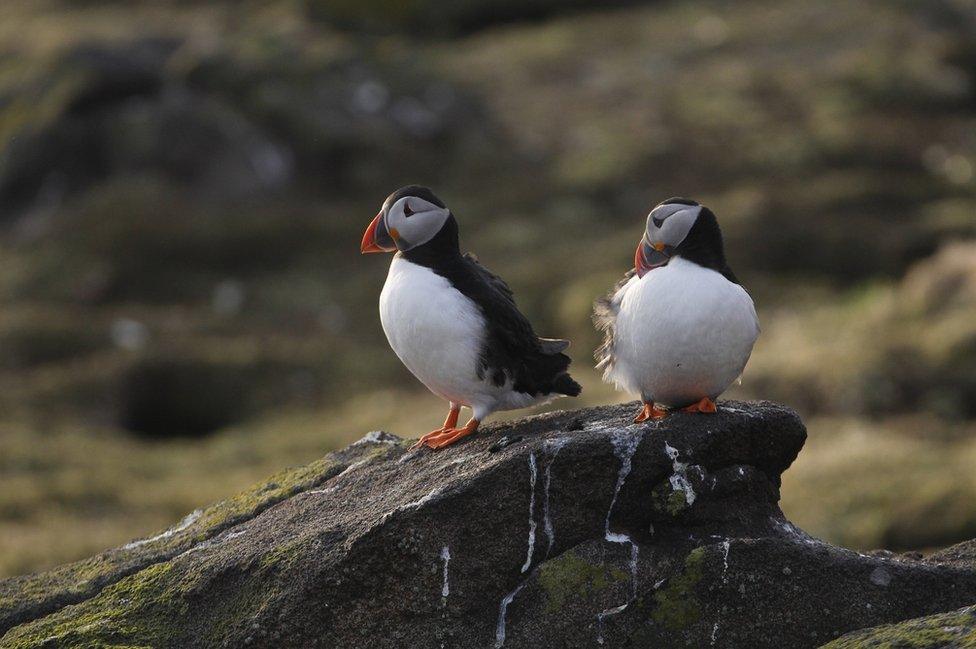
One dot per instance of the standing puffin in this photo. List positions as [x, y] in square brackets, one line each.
[679, 329]
[453, 323]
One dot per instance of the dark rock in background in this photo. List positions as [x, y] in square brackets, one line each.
[584, 530]
[220, 127]
[163, 172]
[426, 18]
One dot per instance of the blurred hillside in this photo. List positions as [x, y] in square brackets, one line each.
[183, 187]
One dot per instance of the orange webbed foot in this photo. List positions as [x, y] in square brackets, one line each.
[450, 436]
[449, 424]
[650, 411]
[426, 438]
[706, 405]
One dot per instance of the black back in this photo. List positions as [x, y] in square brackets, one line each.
[511, 350]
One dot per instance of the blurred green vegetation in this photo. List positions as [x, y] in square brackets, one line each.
[183, 187]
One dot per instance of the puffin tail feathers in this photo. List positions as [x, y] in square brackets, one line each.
[565, 385]
[557, 364]
[551, 346]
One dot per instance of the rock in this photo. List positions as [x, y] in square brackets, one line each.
[584, 529]
[954, 629]
[426, 18]
[118, 112]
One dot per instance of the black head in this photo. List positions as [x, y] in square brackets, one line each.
[681, 227]
[411, 217]
[413, 191]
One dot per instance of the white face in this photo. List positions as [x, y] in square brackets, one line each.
[670, 224]
[412, 221]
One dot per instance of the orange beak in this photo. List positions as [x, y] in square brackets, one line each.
[649, 256]
[371, 240]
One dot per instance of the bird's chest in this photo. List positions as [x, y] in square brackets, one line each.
[682, 312]
[435, 330]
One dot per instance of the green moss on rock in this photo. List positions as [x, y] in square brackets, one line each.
[676, 606]
[571, 577]
[149, 609]
[667, 500]
[283, 556]
[83, 579]
[280, 486]
[955, 629]
[110, 617]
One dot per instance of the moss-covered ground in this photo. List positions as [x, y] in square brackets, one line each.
[954, 629]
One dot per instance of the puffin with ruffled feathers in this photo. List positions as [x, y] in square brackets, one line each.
[453, 323]
[679, 328]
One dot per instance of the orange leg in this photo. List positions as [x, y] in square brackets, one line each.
[650, 411]
[448, 437]
[452, 417]
[449, 424]
[705, 405]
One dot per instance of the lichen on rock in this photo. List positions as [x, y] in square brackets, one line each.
[676, 605]
[571, 576]
[356, 546]
[32, 596]
[953, 629]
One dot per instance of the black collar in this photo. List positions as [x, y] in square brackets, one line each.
[443, 251]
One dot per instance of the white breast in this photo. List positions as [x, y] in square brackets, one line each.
[438, 333]
[683, 332]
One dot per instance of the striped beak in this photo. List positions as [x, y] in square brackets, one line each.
[650, 256]
[377, 238]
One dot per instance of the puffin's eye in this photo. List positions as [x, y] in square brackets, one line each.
[407, 212]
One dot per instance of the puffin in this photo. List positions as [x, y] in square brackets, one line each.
[453, 323]
[679, 327]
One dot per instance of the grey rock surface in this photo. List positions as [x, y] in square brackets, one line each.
[582, 530]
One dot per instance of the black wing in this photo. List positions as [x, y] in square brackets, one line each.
[512, 349]
[605, 312]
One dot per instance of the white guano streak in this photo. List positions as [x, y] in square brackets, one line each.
[533, 474]
[187, 521]
[679, 479]
[503, 606]
[502, 612]
[554, 446]
[446, 588]
[726, 546]
[624, 446]
[327, 490]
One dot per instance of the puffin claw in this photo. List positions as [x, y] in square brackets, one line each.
[643, 415]
[706, 405]
[650, 411]
[425, 438]
[451, 435]
[449, 424]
